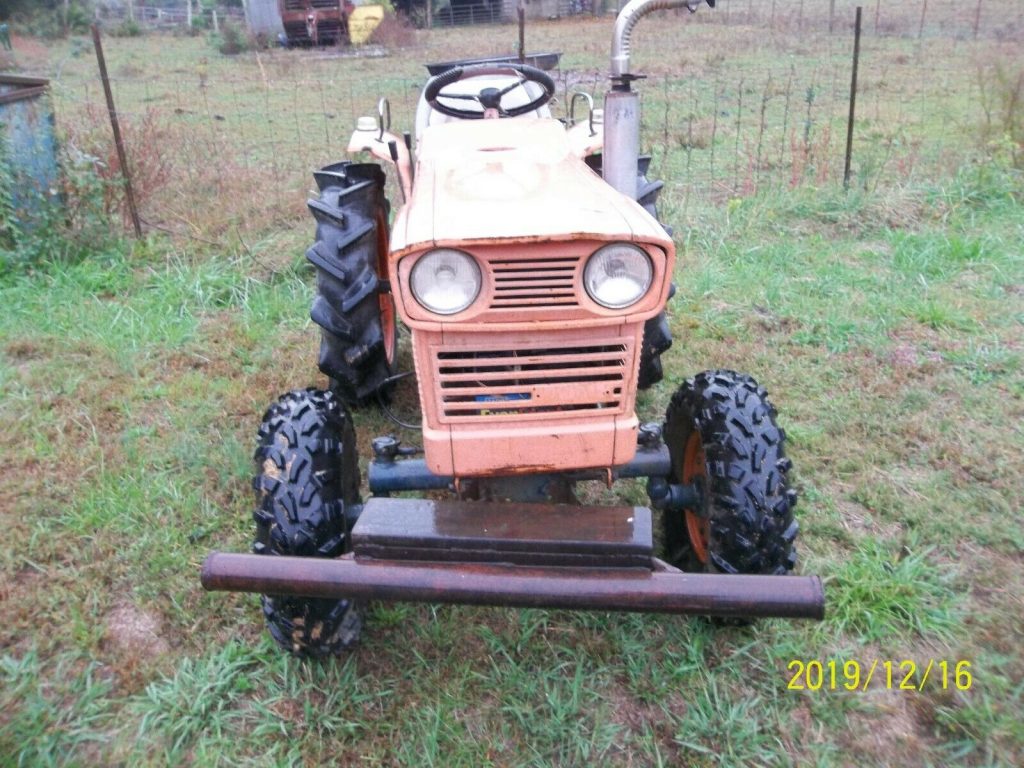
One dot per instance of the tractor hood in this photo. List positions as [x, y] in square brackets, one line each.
[511, 180]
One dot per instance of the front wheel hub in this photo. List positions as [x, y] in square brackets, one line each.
[695, 473]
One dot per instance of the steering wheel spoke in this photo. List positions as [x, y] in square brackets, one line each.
[509, 89]
[460, 96]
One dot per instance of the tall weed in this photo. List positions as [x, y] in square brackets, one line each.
[1001, 83]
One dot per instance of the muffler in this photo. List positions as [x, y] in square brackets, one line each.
[621, 103]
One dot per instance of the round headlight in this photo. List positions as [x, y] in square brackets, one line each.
[618, 275]
[445, 281]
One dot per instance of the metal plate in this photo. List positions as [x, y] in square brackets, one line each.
[521, 534]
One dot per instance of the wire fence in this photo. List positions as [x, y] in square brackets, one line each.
[217, 148]
[920, 18]
[911, 18]
[155, 17]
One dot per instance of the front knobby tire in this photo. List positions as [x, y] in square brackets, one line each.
[307, 480]
[721, 432]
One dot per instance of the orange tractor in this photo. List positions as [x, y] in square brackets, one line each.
[529, 266]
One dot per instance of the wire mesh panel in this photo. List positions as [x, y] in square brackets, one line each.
[735, 102]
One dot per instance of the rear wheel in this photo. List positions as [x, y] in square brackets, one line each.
[308, 479]
[721, 433]
[357, 315]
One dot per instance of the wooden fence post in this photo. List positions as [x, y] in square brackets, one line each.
[521, 13]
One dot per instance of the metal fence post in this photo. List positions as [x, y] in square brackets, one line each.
[853, 100]
[122, 156]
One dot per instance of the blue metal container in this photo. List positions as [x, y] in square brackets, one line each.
[29, 146]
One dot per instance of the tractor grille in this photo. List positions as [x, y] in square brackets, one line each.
[534, 284]
[473, 385]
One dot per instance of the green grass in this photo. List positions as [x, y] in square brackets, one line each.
[886, 322]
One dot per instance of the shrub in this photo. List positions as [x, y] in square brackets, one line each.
[52, 23]
[394, 31]
[62, 230]
[232, 40]
[90, 149]
[8, 233]
[78, 18]
[127, 28]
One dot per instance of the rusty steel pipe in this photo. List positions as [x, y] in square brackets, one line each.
[659, 591]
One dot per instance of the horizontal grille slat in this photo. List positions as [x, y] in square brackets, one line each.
[538, 292]
[571, 357]
[519, 266]
[540, 274]
[479, 384]
[474, 409]
[463, 394]
[534, 282]
[525, 356]
[606, 373]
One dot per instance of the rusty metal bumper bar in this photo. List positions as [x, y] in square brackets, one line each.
[662, 590]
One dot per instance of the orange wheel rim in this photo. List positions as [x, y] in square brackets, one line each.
[387, 305]
[694, 468]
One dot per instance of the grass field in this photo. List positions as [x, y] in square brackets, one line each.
[887, 323]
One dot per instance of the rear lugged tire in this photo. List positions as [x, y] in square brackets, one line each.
[356, 316]
[720, 430]
[657, 340]
[307, 479]
[657, 334]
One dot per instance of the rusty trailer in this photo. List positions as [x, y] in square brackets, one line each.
[315, 22]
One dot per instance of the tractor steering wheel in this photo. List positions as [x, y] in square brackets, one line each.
[488, 98]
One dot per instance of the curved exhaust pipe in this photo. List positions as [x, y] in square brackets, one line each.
[627, 20]
[621, 105]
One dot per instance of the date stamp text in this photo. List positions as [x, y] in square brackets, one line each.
[893, 675]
